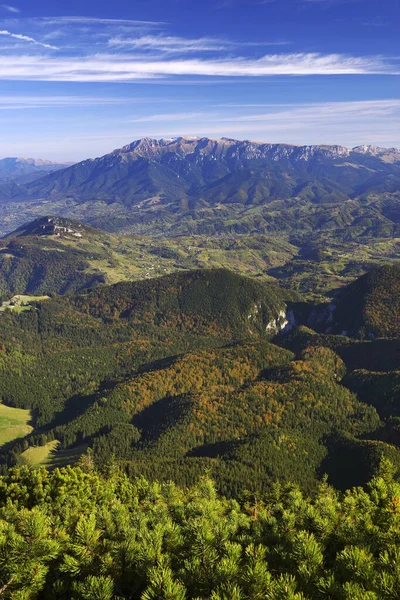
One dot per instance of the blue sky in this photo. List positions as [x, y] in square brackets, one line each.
[78, 79]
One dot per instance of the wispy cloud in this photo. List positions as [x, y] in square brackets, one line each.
[32, 102]
[80, 34]
[170, 43]
[181, 45]
[375, 23]
[280, 115]
[321, 2]
[324, 111]
[229, 3]
[79, 20]
[26, 38]
[327, 3]
[172, 117]
[11, 9]
[120, 68]
[147, 39]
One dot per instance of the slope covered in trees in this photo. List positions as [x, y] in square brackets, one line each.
[68, 346]
[246, 412]
[370, 307]
[176, 375]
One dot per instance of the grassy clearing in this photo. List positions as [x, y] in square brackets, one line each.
[14, 423]
[36, 456]
[50, 456]
[21, 302]
[25, 299]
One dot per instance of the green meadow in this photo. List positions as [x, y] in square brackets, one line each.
[14, 423]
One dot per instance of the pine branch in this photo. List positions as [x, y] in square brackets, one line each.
[6, 585]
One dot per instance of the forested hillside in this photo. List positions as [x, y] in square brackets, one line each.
[200, 371]
[370, 307]
[68, 346]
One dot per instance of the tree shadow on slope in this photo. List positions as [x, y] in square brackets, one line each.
[223, 449]
[353, 462]
[162, 415]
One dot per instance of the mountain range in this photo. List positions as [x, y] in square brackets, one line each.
[26, 170]
[200, 185]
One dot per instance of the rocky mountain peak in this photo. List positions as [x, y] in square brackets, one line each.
[385, 154]
[228, 148]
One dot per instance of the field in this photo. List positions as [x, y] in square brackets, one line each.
[49, 456]
[14, 423]
[21, 302]
[138, 257]
[39, 455]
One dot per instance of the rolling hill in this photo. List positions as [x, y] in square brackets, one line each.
[60, 255]
[55, 254]
[111, 330]
[370, 307]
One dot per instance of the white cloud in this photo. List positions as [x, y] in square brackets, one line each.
[11, 9]
[325, 111]
[78, 20]
[174, 44]
[281, 114]
[21, 102]
[117, 68]
[26, 38]
[286, 115]
[170, 43]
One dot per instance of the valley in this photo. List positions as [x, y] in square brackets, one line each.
[39, 259]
